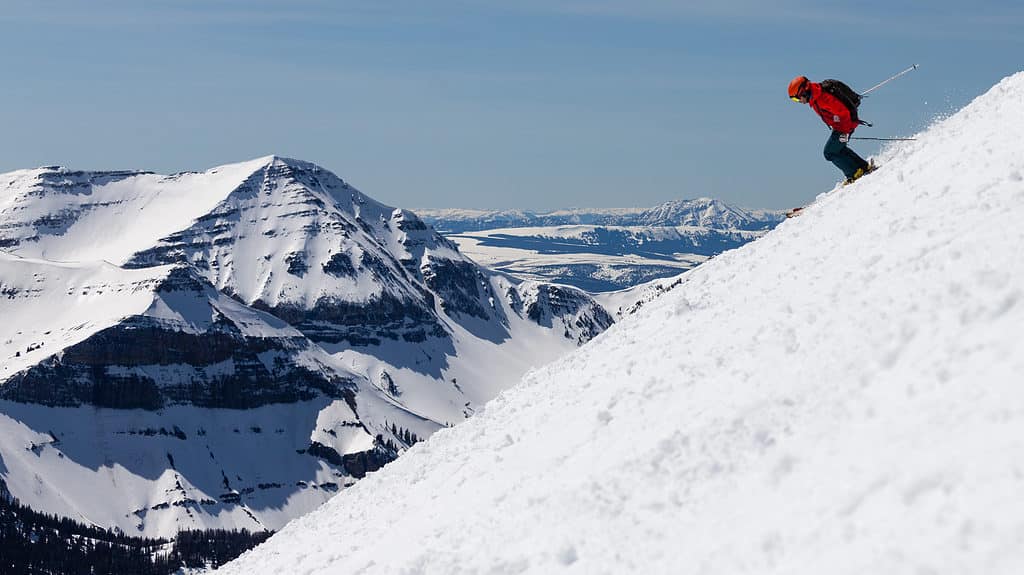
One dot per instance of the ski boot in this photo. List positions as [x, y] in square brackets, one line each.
[861, 172]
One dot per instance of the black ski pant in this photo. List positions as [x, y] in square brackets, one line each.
[842, 156]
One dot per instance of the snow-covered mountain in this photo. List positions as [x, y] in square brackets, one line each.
[602, 250]
[842, 395]
[709, 213]
[230, 348]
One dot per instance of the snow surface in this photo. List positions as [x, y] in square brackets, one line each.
[146, 207]
[61, 304]
[841, 396]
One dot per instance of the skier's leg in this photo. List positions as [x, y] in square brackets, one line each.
[837, 153]
[854, 158]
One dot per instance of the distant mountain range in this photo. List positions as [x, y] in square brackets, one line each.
[700, 212]
[602, 250]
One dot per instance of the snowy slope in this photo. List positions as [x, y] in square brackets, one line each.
[50, 306]
[65, 215]
[841, 396]
[628, 301]
[153, 473]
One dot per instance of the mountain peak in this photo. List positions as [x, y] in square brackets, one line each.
[705, 212]
[276, 160]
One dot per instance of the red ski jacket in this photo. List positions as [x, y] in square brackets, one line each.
[832, 111]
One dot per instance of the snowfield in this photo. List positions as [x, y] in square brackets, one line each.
[844, 395]
[148, 208]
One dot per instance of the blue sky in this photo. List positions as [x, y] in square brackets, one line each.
[530, 104]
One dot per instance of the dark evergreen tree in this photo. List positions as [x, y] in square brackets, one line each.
[33, 543]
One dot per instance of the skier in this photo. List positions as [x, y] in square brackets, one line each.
[838, 115]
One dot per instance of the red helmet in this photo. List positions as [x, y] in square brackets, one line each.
[798, 86]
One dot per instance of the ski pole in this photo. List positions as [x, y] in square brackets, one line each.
[885, 139]
[887, 80]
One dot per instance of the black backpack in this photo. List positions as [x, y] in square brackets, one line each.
[846, 95]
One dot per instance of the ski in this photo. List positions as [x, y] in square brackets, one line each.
[794, 212]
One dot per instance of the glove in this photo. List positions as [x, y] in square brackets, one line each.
[844, 138]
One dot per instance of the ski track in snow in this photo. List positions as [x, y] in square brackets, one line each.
[840, 396]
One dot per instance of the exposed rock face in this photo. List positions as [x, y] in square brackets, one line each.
[356, 464]
[581, 319]
[150, 361]
[461, 287]
[340, 265]
[142, 363]
[335, 320]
